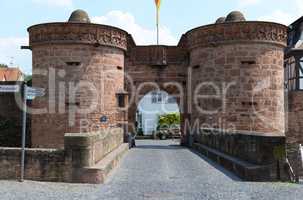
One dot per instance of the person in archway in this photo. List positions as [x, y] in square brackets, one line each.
[131, 140]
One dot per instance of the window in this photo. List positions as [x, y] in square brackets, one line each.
[300, 69]
[154, 97]
[162, 98]
[290, 73]
[171, 100]
[294, 73]
[157, 97]
[121, 101]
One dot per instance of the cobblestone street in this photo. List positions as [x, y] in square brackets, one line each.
[158, 170]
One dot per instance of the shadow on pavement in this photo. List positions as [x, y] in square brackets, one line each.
[168, 147]
[217, 166]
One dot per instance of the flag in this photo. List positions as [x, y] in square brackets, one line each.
[158, 4]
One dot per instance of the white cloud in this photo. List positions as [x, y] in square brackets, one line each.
[11, 54]
[245, 3]
[60, 3]
[298, 7]
[285, 17]
[279, 16]
[141, 35]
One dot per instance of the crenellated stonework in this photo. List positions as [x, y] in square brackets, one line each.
[77, 33]
[216, 34]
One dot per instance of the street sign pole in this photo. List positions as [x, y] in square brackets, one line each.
[24, 89]
[301, 153]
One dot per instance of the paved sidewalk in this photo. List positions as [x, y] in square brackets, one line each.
[158, 170]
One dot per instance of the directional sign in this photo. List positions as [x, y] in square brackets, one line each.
[9, 88]
[35, 92]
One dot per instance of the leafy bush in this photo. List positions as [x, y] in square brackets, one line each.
[169, 120]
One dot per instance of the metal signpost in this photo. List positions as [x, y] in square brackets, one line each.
[23, 132]
[301, 153]
[28, 93]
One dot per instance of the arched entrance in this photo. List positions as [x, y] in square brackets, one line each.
[173, 90]
[162, 68]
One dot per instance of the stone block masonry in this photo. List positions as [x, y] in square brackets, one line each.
[252, 156]
[294, 132]
[244, 61]
[89, 60]
[40, 165]
[86, 158]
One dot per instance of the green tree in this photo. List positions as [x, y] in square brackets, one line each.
[170, 119]
[28, 78]
[3, 65]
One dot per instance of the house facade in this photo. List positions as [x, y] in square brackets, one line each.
[294, 94]
[11, 74]
[153, 105]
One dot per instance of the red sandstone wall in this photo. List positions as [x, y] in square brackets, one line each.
[244, 54]
[88, 54]
[295, 117]
[40, 165]
[234, 55]
[294, 133]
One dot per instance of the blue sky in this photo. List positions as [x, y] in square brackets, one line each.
[135, 16]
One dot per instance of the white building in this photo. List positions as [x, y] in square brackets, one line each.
[153, 105]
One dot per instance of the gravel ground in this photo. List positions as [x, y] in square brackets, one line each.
[158, 170]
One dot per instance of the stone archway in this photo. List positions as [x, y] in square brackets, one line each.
[141, 89]
[149, 68]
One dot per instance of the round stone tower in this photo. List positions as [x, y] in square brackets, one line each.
[81, 66]
[238, 73]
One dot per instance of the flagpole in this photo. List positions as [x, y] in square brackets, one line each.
[157, 26]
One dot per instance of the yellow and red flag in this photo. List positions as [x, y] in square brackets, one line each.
[158, 4]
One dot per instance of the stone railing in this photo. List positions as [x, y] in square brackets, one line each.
[74, 163]
[249, 146]
[89, 148]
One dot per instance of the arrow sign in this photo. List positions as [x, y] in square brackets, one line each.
[33, 92]
[9, 88]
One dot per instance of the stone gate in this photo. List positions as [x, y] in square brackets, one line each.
[227, 78]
